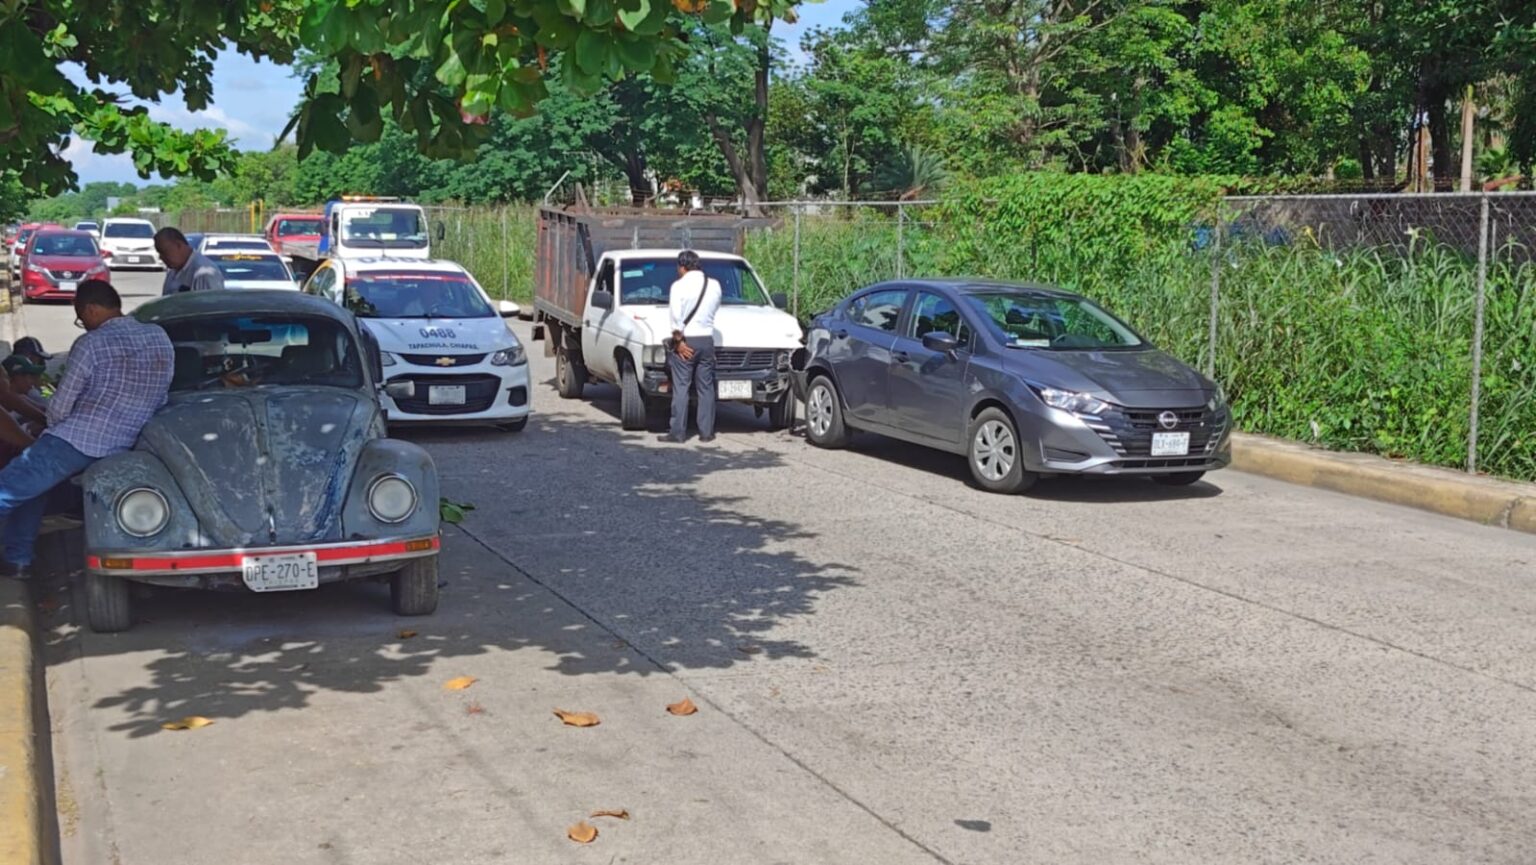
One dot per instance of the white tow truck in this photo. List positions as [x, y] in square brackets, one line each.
[365, 227]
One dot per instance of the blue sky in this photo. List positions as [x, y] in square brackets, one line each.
[252, 100]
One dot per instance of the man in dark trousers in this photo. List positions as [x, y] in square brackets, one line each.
[695, 300]
[119, 373]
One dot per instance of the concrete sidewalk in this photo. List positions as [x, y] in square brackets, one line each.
[22, 776]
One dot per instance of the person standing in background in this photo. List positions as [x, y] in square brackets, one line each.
[186, 269]
[695, 300]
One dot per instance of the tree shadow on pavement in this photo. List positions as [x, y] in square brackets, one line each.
[590, 551]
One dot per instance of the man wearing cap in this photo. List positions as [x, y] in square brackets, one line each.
[186, 269]
[119, 374]
[22, 377]
[30, 348]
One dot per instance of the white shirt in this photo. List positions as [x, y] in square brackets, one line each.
[685, 293]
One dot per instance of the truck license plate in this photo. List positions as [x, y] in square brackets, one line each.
[285, 573]
[445, 394]
[735, 389]
[1170, 444]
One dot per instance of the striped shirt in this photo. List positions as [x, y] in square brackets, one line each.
[116, 377]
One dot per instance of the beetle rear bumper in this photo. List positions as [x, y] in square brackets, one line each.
[221, 568]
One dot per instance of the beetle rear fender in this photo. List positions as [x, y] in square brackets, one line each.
[109, 479]
[381, 457]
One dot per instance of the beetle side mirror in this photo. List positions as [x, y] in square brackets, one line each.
[400, 389]
[508, 309]
[780, 299]
[602, 299]
[941, 342]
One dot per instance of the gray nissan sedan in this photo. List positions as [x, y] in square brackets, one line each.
[1025, 381]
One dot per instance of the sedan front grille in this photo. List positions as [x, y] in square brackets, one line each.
[435, 359]
[66, 274]
[744, 359]
[1129, 431]
[479, 393]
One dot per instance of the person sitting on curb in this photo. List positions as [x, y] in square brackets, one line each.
[186, 269]
[22, 377]
[31, 348]
[119, 374]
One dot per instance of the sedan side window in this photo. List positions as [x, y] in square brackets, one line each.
[934, 313]
[878, 309]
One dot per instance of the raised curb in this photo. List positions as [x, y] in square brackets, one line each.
[21, 817]
[1505, 504]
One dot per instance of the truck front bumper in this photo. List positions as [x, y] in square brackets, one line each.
[768, 385]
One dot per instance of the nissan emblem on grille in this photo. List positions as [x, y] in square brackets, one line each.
[1167, 420]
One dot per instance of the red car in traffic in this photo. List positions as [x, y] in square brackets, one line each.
[56, 261]
[293, 227]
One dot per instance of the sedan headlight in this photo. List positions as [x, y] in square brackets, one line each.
[509, 356]
[98, 270]
[1066, 400]
[387, 359]
[1218, 399]
[391, 498]
[143, 512]
[655, 355]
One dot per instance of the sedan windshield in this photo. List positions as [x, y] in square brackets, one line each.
[74, 245]
[266, 268]
[649, 280]
[422, 294]
[384, 228]
[1024, 320]
[236, 243]
[237, 351]
[129, 229]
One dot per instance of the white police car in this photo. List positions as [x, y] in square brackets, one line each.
[436, 328]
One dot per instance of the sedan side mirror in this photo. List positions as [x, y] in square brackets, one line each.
[602, 299]
[508, 309]
[940, 342]
[780, 299]
[400, 389]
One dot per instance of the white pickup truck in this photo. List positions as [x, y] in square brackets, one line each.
[603, 310]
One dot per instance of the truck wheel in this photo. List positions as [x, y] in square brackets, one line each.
[781, 415]
[632, 412]
[824, 425]
[107, 606]
[570, 374]
[413, 588]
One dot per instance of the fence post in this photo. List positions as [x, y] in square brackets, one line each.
[1477, 334]
[506, 261]
[1210, 350]
[901, 241]
[795, 302]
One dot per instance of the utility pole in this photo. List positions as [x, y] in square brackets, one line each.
[1468, 112]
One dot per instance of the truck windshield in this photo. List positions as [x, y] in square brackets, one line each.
[415, 295]
[649, 281]
[383, 228]
[298, 227]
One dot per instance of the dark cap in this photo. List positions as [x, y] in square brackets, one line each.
[30, 345]
[19, 365]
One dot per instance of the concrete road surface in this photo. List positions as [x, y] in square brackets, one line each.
[889, 666]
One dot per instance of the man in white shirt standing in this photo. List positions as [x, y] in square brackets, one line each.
[695, 300]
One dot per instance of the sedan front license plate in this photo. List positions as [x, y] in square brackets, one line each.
[445, 394]
[735, 390]
[67, 286]
[1166, 444]
[284, 573]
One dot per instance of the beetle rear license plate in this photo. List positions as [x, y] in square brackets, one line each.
[735, 390]
[1174, 444]
[445, 394]
[284, 573]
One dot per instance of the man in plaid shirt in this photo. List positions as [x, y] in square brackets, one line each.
[118, 375]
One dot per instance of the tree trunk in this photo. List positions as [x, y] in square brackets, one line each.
[757, 130]
[1441, 151]
[750, 197]
[1367, 160]
[640, 192]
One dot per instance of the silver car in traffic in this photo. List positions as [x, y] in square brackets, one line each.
[1024, 381]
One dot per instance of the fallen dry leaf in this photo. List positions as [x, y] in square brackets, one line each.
[474, 708]
[622, 814]
[191, 722]
[460, 683]
[685, 707]
[406, 634]
[582, 833]
[577, 719]
[749, 650]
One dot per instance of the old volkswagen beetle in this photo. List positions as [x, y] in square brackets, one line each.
[268, 469]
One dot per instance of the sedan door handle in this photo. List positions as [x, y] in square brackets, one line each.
[900, 356]
[840, 334]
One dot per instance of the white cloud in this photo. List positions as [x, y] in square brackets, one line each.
[212, 117]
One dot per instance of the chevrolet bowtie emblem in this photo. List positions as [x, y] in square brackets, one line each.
[444, 361]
